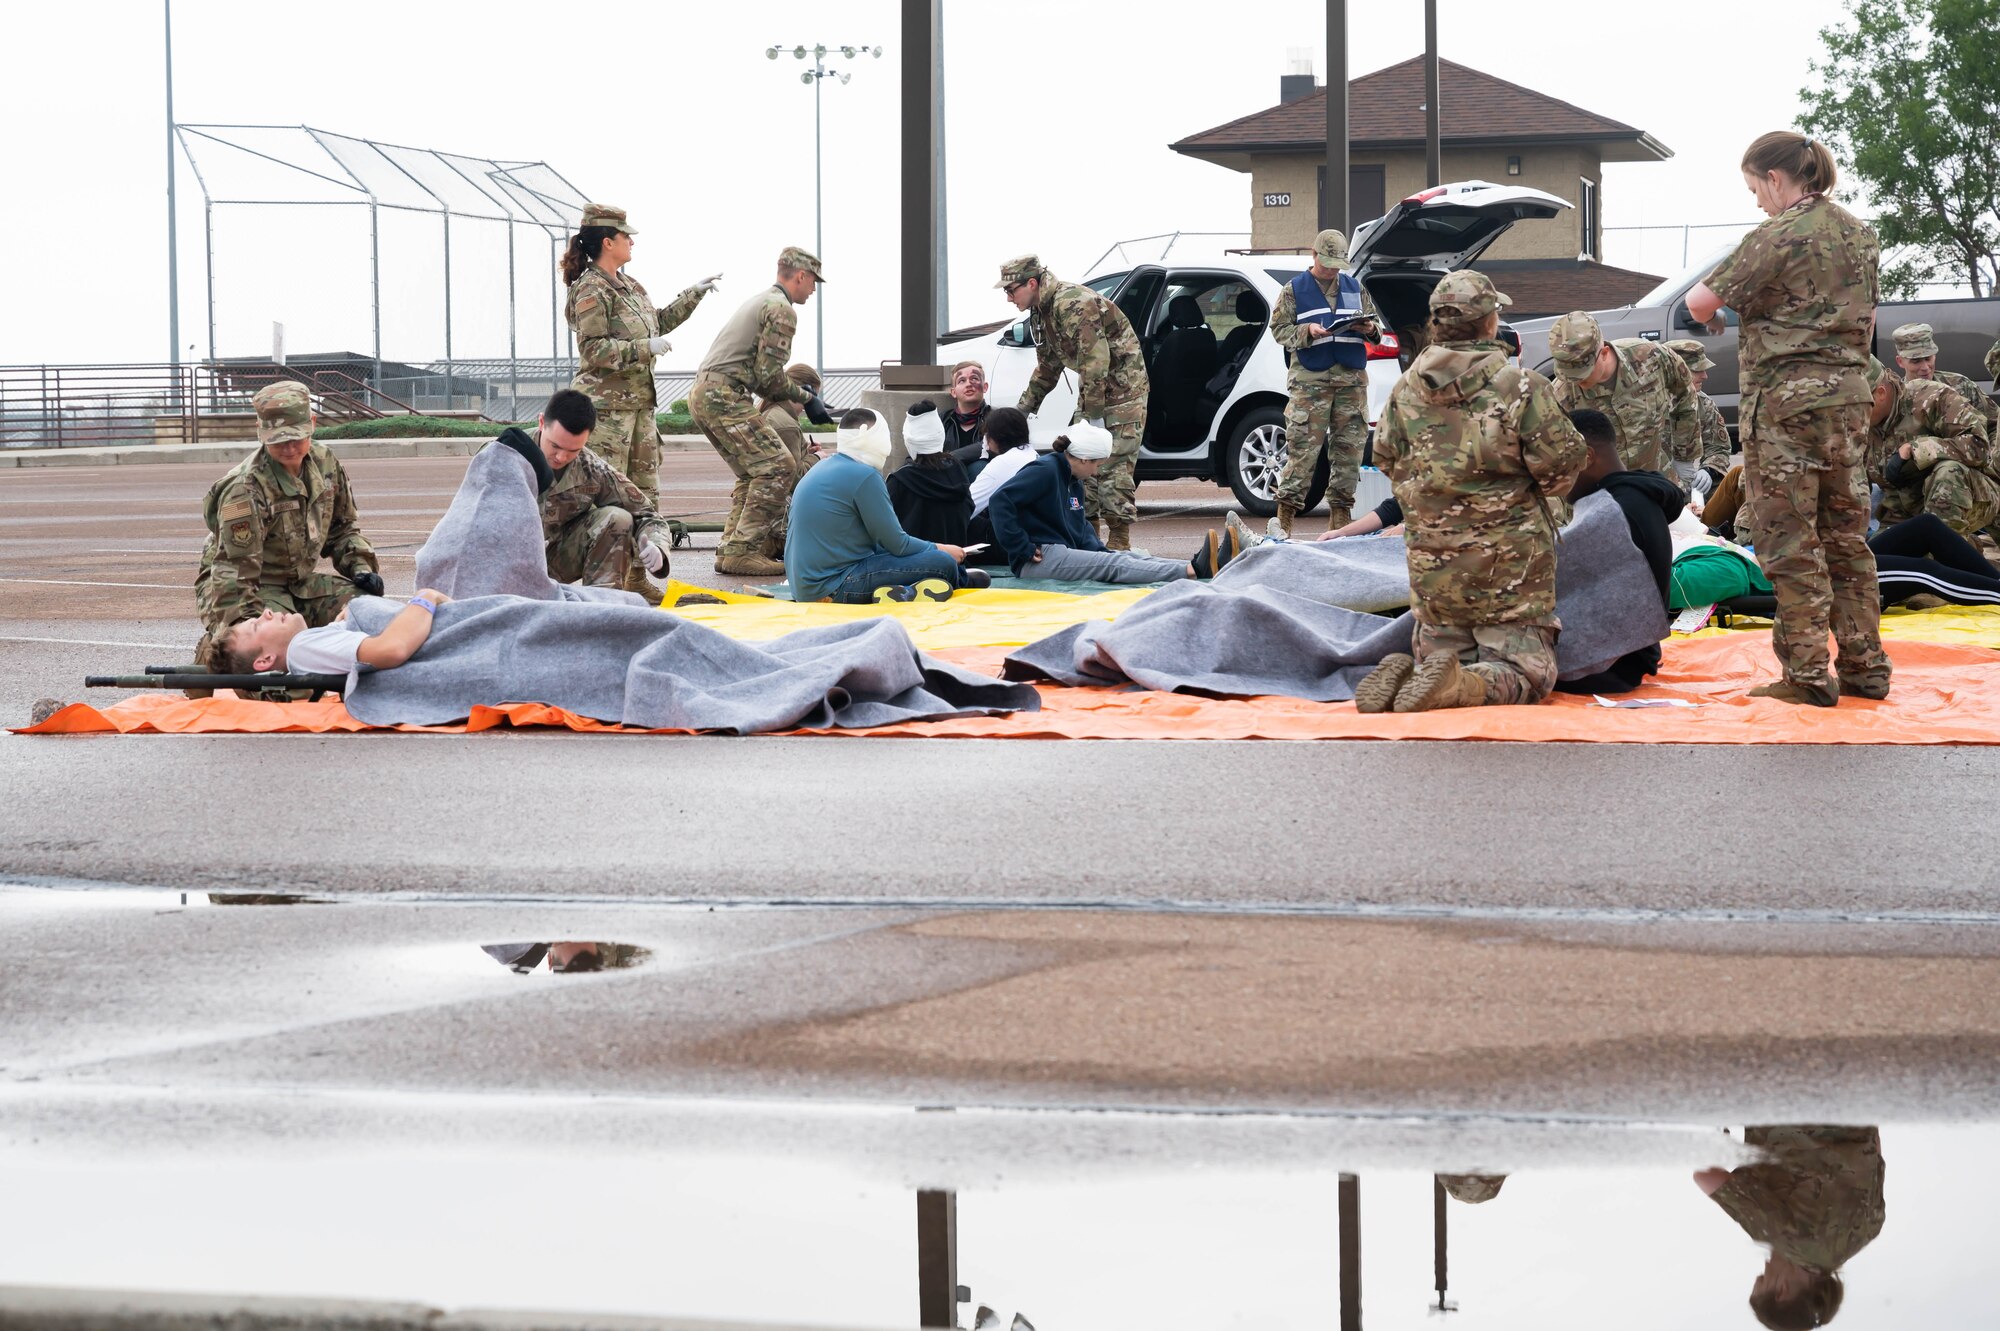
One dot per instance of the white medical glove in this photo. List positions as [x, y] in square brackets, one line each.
[1702, 483]
[658, 345]
[708, 283]
[652, 557]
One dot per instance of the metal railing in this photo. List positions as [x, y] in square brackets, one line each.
[73, 406]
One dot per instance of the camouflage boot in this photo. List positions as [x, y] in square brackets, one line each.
[1438, 683]
[636, 580]
[1336, 518]
[1117, 536]
[1287, 514]
[1786, 690]
[1377, 693]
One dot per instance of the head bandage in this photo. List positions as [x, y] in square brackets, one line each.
[1089, 442]
[869, 443]
[923, 432]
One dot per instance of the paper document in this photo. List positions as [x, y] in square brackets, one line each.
[1603, 701]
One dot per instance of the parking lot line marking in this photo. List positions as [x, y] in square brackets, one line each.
[98, 642]
[71, 582]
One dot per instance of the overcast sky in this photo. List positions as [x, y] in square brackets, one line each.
[1058, 116]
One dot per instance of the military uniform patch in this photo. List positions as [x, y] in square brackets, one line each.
[239, 533]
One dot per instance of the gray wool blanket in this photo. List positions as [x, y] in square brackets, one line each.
[1298, 619]
[514, 636]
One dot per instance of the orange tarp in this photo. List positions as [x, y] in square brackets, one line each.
[1942, 695]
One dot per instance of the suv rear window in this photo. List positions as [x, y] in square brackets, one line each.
[1283, 276]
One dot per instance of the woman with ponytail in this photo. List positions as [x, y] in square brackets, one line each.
[618, 333]
[1804, 285]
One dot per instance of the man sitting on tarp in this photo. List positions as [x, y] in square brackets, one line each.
[1650, 503]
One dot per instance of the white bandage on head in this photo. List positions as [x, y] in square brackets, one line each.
[869, 443]
[1088, 441]
[923, 432]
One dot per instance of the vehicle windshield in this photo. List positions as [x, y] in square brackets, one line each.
[1284, 276]
[1686, 277]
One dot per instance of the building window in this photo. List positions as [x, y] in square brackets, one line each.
[1513, 166]
[1586, 217]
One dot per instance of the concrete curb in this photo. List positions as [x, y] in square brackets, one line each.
[229, 454]
[44, 1308]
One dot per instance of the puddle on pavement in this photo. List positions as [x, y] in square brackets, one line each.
[566, 958]
[1855, 1226]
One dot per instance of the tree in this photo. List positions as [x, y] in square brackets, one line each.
[1909, 99]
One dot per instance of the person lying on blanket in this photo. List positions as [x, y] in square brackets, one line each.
[278, 640]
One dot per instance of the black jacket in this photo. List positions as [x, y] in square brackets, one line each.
[1649, 502]
[1041, 505]
[933, 503]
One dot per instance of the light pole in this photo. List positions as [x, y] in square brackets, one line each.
[817, 75]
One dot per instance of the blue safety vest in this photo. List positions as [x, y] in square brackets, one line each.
[1345, 347]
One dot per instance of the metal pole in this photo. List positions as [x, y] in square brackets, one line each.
[208, 229]
[375, 281]
[923, 230]
[447, 310]
[513, 352]
[558, 244]
[819, 239]
[1438, 1245]
[942, 266]
[1433, 146]
[1333, 199]
[937, 1259]
[1350, 1248]
[173, 236]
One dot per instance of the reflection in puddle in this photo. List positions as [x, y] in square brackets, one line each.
[264, 899]
[566, 958]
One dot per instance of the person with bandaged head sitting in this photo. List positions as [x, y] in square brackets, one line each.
[931, 493]
[844, 542]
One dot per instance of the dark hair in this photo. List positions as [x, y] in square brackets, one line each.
[1812, 1306]
[582, 961]
[856, 418]
[571, 409]
[1805, 160]
[233, 656]
[1061, 445]
[1595, 427]
[584, 247]
[1006, 426]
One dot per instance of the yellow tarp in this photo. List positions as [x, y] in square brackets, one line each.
[989, 618]
[1961, 625]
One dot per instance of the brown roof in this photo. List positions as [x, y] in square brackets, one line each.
[1384, 111]
[1542, 287]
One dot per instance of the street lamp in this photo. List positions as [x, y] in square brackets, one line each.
[817, 75]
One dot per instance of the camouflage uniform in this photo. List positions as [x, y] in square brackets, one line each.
[613, 320]
[748, 357]
[1327, 408]
[1078, 329]
[1805, 286]
[1649, 397]
[1716, 448]
[1947, 472]
[593, 520]
[1914, 342]
[1817, 1197]
[1475, 448]
[267, 529]
[1993, 362]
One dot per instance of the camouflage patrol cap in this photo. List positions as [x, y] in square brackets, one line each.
[1877, 372]
[804, 375]
[603, 214]
[1472, 1188]
[1692, 352]
[1914, 342]
[1465, 295]
[794, 257]
[1330, 248]
[284, 412]
[1574, 341]
[1022, 268]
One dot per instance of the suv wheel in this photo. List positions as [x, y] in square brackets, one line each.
[1255, 460]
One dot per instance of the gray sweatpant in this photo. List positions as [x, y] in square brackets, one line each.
[1065, 563]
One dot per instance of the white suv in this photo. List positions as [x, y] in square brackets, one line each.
[1217, 407]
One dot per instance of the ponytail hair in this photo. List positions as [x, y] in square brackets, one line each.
[1061, 445]
[1806, 160]
[584, 247]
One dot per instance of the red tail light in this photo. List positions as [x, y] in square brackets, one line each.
[1386, 349]
[1426, 196]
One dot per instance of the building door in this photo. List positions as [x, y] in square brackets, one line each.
[1366, 195]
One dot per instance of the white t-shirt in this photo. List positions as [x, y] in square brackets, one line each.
[333, 650]
[997, 472]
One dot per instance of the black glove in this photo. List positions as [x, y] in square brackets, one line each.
[1899, 469]
[369, 583]
[817, 411]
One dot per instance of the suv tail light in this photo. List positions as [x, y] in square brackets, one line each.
[1426, 196]
[1386, 349]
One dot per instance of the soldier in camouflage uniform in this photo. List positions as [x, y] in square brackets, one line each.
[618, 335]
[1328, 407]
[1916, 357]
[1816, 1199]
[783, 418]
[1476, 448]
[1805, 285]
[595, 521]
[1076, 328]
[272, 518]
[1928, 450]
[748, 358]
[1716, 447]
[1643, 387]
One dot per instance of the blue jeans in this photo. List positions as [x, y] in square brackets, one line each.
[858, 585]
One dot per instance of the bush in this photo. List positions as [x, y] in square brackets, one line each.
[678, 407]
[412, 427]
[677, 422]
